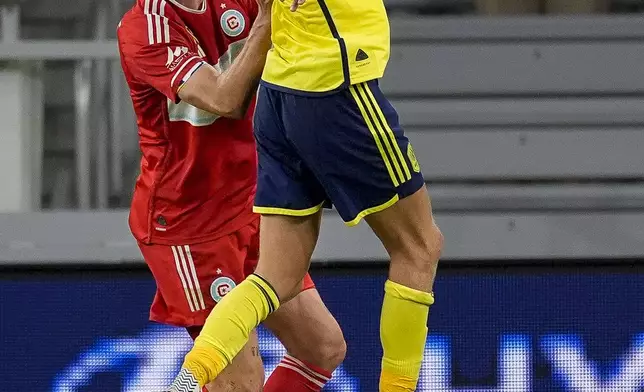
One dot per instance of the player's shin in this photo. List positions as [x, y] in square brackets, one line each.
[403, 333]
[228, 327]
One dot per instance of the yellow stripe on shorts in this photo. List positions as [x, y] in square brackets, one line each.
[372, 129]
[390, 132]
[377, 124]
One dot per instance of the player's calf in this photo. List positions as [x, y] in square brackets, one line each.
[314, 342]
[331, 351]
[308, 331]
[325, 350]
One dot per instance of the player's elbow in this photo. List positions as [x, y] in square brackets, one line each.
[212, 103]
[210, 96]
[230, 105]
[232, 111]
[225, 105]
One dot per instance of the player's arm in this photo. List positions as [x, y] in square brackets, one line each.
[296, 3]
[156, 52]
[229, 93]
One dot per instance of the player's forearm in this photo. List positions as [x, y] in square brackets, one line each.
[228, 94]
[239, 83]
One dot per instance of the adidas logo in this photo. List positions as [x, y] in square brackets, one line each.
[178, 52]
[361, 55]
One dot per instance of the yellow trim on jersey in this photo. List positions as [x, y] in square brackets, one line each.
[383, 152]
[373, 210]
[381, 131]
[390, 132]
[287, 211]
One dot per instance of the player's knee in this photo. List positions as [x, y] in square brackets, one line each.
[326, 351]
[334, 351]
[330, 351]
[423, 252]
[433, 248]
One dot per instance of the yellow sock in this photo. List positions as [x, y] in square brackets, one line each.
[403, 333]
[228, 326]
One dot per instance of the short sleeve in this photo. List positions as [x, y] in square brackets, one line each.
[157, 52]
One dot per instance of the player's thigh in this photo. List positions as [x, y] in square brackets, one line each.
[244, 374]
[309, 332]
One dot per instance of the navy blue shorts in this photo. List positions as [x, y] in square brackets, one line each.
[345, 149]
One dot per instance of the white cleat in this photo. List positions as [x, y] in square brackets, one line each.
[185, 382]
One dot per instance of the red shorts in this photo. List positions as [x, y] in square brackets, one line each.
[191, 279]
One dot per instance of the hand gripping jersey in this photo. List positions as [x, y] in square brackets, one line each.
[327, 45]
[198, 171]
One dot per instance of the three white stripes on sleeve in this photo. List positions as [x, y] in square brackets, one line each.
[159, 33]
[158, 29]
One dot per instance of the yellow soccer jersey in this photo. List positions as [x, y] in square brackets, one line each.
[327, 45]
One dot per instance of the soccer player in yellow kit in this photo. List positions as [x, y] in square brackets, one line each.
[326, 135]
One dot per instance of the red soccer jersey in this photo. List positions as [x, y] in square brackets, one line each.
[198, 171]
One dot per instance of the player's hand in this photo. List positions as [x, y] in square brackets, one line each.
[265, 5]
[264, 14]
[296, 3]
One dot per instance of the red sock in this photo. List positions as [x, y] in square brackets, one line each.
[293, 375]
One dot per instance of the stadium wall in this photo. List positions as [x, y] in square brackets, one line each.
[98, 237]
[498, 329]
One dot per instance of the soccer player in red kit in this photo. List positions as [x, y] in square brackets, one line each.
[193, 67]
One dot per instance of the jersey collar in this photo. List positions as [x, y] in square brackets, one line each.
[192, 11]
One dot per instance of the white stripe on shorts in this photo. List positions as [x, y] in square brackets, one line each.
[191, 263]
[183, 279]
[188, 276]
